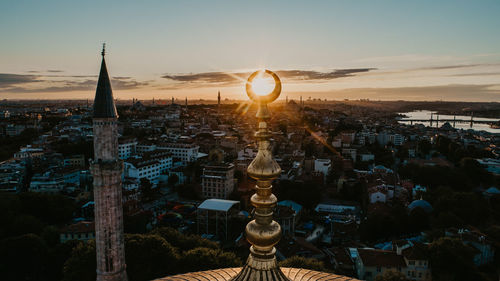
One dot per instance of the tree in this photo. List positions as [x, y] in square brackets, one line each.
[81, 265]
[23, 257]
[146, 188]
[301, 262]
[451, 259]
[182, 241]
[391, 275]
[424, 146]
[137, 223]
[149, 257]
[205, 258]
[172, 180]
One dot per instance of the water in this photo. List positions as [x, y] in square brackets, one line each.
[426, 114]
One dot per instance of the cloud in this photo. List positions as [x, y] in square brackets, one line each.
[477, 74]
[441, 67]
[23, 83]
[9, 79]
[452, 92]
[228, 78]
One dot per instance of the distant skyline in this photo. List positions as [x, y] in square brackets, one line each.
[388, 50]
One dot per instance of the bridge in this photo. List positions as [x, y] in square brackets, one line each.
[453, 121]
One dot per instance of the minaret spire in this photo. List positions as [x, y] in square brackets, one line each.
[218, 102]
[104, 103]
[107, 170]
[263, 232]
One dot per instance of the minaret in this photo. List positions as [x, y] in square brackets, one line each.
[173, 101]
[107, 170]
[218, 102]
[186, 103]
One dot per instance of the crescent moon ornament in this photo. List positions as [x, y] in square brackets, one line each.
[266, 98]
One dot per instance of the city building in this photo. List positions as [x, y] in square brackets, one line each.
[83, 231]
[151, 165]
[323, 166]
[126, 147]
[218, 180]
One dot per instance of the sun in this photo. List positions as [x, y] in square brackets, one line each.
[263, 84]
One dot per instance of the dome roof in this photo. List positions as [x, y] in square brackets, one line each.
[493, 190]
[421, 204]
[225, 274]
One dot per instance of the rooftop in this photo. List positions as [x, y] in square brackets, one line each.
[225, 274]
[217, 205]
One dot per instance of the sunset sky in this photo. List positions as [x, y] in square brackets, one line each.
[412, 50]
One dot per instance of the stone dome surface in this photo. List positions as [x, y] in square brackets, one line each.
[225, 274]
[421, 204]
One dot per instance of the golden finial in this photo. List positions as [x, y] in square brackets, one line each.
[103, 52]
[263, 232]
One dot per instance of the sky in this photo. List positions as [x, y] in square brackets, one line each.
[378, 50]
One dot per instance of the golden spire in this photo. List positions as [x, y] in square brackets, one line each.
[263, 232]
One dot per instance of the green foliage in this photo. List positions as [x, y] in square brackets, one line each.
[23, 257]
[31, 212]
[68, 148]
[466, 177]
[50, 235]
[81, 265]
[149, 257]
[182, 241]
[51, 209]
[187, 191]
[172, 179]
[307, 194]
[11, 145]
[386, 222]
[136, 223]
[206, 258]
[391, 275]
[301, 262]
[451, 260]
[467, 207]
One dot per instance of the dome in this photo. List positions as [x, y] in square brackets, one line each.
[421, 204]
[225, 274]
[493, 190]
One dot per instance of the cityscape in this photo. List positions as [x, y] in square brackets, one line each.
[254, 171]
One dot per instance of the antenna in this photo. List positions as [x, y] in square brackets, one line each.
[103, 49]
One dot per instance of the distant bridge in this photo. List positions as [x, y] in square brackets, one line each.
[453, 121]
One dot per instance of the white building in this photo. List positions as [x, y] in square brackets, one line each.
[47, 182]
[397, 139]
[150, 166]
[126, 148]
[322, 166]
[218, 181]
[28, 152]
[186, 152]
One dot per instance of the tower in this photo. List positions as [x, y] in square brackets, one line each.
[107, 170]
[218, 102]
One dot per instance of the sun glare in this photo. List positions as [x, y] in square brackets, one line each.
[263, 84]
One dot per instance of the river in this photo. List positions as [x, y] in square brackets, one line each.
[426, 114]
